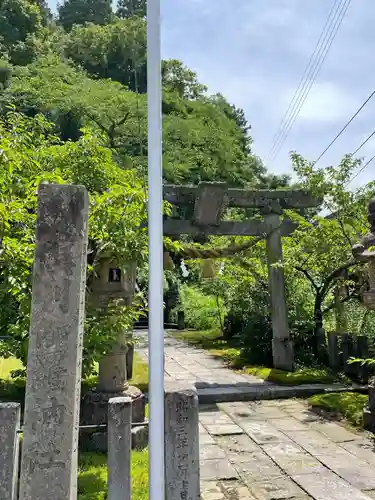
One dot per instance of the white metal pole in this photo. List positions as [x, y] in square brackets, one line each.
[155, 235]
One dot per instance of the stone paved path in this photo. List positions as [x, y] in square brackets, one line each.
[187, 363]
[271, 450]
[214, 381]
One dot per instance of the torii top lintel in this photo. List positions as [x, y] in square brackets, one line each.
[211, 198]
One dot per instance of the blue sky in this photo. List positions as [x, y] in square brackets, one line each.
[255, 51]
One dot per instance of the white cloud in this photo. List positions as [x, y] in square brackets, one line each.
[327, 103]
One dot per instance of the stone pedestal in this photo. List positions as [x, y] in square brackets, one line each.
[112, 369]
[94, 411]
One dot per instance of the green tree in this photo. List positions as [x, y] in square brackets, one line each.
[200, 141]
[320, 250]
[31, 154]
[73, 12]
[5, 73]
[181, 80]
[18, 19]
[116, 51]
[130, 8]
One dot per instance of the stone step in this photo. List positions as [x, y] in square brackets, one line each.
[221, 393]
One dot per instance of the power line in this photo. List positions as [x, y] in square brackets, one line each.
[313, 75]
[303, 80]
[360, 171]
[363, 143]
[345, 127]
[334, 22]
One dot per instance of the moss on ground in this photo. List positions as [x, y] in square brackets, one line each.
[348, 405]
[213, 342]
[298, 377]
[92, 476]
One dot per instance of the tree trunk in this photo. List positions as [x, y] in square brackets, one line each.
[320, 344]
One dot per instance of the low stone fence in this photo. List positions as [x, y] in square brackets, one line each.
[342, 347]
[181, 447]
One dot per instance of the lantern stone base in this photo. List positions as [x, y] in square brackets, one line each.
[94, 411]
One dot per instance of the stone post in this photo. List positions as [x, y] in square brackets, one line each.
[348, 351]
[333, 350]
[9, 447]
[282, 347]
[181, 320]
[182, 479]
[119, 448]
[51, 421]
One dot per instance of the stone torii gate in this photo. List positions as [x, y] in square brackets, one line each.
[206, 204]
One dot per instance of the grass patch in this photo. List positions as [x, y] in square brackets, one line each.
[348, 405]
[13, 390]
[92, 476]
[7, 365]
[211, 341]
[140, 373]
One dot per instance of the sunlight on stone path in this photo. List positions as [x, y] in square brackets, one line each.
[274, 450]
[189, 364]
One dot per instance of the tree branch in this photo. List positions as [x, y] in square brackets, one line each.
[100, 125]
[337, 273]
[346, 236]
[307, 275]
[333, 304]
[123, 120]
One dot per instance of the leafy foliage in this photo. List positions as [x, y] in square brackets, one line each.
[181, 80]
[73, 12]
[201, 311]
[19, 19]
[30, 154]
[116, 51]
[349, 405]
[200, 141]
[130, 8]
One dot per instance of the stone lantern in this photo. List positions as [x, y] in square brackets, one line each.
[112, 282]
[365, 252]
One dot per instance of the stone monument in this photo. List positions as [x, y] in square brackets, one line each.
[51, 416]
[365, 252]
[112, 282]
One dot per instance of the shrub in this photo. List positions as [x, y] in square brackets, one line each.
[202, 312]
